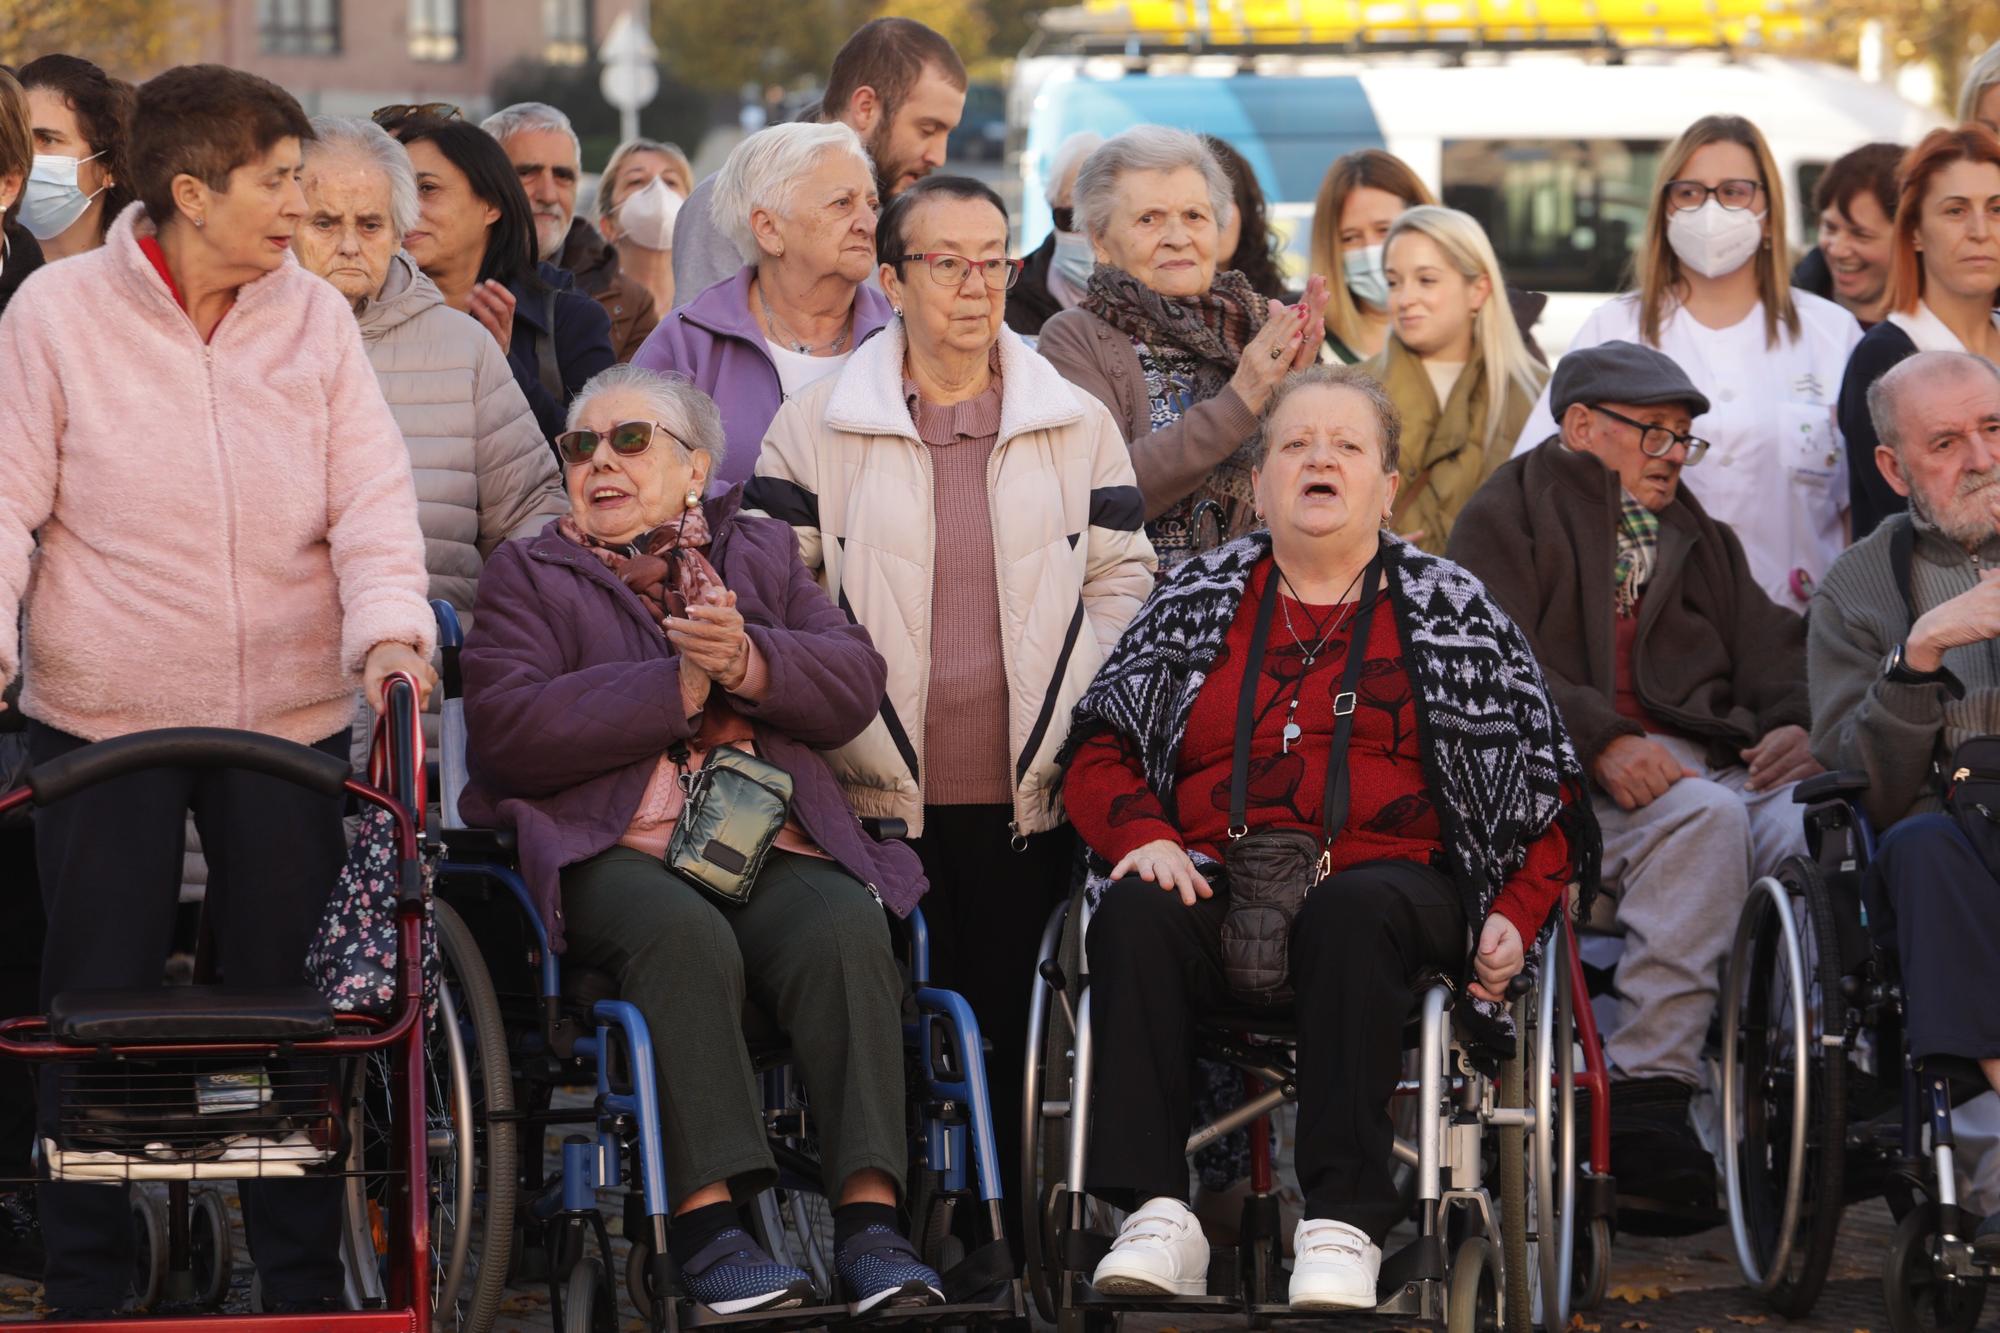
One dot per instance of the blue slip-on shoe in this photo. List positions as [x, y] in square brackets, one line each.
[880, 1268]
[733, 1274]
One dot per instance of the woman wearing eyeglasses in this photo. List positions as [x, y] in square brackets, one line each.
[1713, 295]
[799, 202]
[978, 516]
[611, 655]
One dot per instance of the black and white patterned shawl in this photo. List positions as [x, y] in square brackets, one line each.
[1493, 747]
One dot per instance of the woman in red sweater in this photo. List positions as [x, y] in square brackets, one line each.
[1450, 831]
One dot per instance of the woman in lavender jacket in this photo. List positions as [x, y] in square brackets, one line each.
[609, 655]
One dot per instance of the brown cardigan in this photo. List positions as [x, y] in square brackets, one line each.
[1714, 658]
[1171, 461]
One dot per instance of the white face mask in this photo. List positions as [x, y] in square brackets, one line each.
[1365, 277]
[1715, 241]
[647, 216]
[1074, 258]
[52, 202]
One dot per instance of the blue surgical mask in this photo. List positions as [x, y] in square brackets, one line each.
[52, 201]
[1365, 277]
[1074, 258]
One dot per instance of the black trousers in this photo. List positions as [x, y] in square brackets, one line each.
[22, 926]
[1934, 901]
[110, 861]
[986, 909]
[1357, 945]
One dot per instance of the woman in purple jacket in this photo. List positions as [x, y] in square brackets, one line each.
[608, 657]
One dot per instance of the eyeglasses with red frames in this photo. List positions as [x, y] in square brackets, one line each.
[952, 270]
[628, 439]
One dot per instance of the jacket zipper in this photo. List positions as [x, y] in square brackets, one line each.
[924, 676]
[229, 539]
[1020, 839]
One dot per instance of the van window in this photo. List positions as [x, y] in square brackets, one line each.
[1564, 215]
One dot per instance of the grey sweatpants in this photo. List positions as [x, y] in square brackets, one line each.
[811, 948]
[1680, 870]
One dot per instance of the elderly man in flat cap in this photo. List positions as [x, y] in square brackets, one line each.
[1684, 689]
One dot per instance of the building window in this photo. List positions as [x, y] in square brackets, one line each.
[566, 24]
[436, 29]
[298, 27]
[1564, 215]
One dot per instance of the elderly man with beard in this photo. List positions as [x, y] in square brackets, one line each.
[897, 84]
[1904, 652]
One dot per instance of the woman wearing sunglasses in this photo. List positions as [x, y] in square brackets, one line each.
[978, 515]
[613, 655]
[1713, 295]
[799, 203]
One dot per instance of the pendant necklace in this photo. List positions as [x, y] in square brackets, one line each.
[783, 331]
[1292, 730]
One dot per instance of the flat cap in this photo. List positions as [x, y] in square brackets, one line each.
[1621, 372]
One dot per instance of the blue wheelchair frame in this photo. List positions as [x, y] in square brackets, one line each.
[957, 1100]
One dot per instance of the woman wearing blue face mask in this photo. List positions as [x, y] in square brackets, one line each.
[1714, 294]
[1058, 270]
[81, 117]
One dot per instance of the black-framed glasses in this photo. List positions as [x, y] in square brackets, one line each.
[395, 116]
[1064, 218]
[628, 439]
[952, 270]
[1735, 195]
[1658, 441]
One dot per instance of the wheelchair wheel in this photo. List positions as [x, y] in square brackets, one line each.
[1538, 1163]
[1593, 1265]
[794, 1219]
[211, 1251]
[1043, 1146]
[473, 1181]
[1473, 1305]
[589, 1304]
[1918, 1299]
[1784, 1102]
[149, 1255]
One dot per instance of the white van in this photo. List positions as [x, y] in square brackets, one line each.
[1553, 150]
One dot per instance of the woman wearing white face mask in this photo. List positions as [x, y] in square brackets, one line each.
[638, 199]
[81, 116]
[1056, 271]
[1713, 295]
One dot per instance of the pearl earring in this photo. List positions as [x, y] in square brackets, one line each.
[693, 497]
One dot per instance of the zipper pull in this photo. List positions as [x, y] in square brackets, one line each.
[1325, 866]
[1019, 840]
[1961, 775]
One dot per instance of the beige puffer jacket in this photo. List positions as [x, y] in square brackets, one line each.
[483, 471]
[843, 464]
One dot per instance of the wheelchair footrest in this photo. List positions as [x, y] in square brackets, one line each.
[693, 1314]
[1005, 1305]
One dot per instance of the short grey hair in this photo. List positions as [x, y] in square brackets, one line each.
[674, 402]
[1985, 72]
[1387, 419]
[612, 167]
[521, 117]
[1068, 156]
[1885, 395]
[1145, 148]
[363, 140]
[764, 171]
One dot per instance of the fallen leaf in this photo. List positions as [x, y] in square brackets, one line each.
[1636, 1324]
[1578, 1325]
[1704, 1330]
[1632, 1295]
[1750, 1319]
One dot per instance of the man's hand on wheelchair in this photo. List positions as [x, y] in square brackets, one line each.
[1499, 959]
[1166, 863]
[1971, 617]
[385, 660]
[1783, 756]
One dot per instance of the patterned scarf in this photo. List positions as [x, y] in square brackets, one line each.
[665, 567]
[1638, 553]
[1212, 330]
[1494, 750]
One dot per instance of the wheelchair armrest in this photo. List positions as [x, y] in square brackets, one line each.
[496, 844]
[1842, 786]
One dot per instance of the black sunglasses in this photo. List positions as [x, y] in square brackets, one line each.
[628, 439]
[394, 117]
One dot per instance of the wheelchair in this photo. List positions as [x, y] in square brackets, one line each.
[204, 1083]
[1820, 1096]
[1477, 1262]
[535, 1031]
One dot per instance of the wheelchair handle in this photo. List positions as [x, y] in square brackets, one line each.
[187, 747]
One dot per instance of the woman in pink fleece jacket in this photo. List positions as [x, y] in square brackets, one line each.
[227, 537]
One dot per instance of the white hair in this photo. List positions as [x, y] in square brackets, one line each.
[1985, 72]
[522, 117]
[1068, 156]
[364, 141]
[1144, 148]
[764, 172]
[673, 400]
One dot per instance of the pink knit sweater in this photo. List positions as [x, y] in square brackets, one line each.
[225, 530]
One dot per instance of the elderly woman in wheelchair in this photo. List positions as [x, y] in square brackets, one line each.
[1318, 707]
[656, 663]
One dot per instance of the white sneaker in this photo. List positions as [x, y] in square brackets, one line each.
[1335, 1266]
[1160, 1251]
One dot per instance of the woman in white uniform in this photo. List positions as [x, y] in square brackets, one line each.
[1713, 296]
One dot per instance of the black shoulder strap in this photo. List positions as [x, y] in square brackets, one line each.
[1902, 548]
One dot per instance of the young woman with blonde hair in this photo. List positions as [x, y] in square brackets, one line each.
[1360, 199]
[1454, 364]
[1712, 292]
